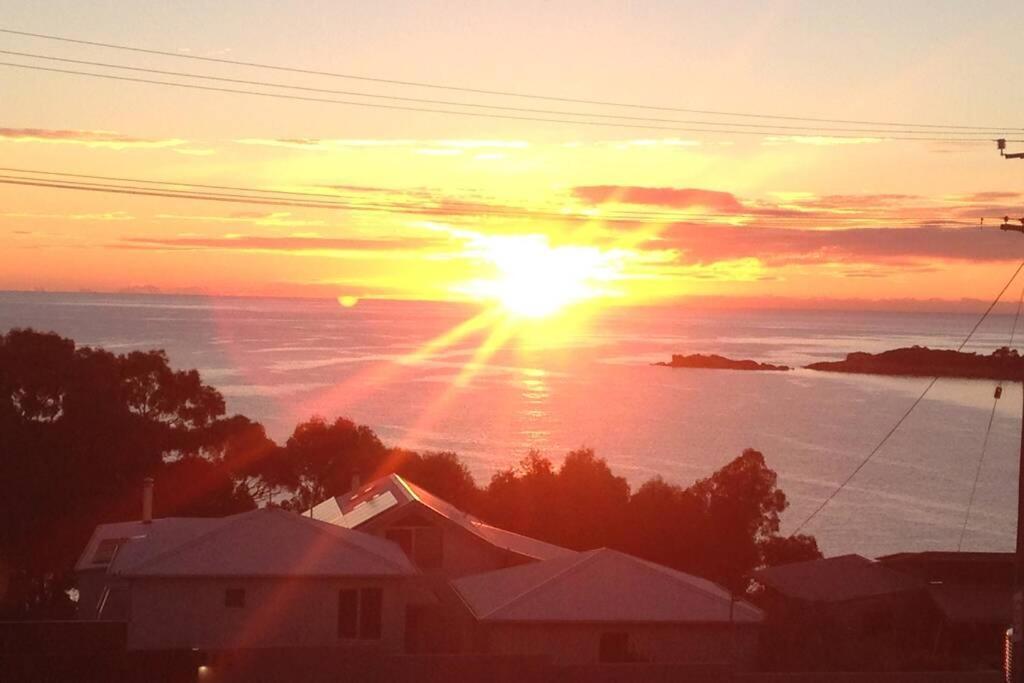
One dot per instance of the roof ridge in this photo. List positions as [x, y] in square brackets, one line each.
[579, 560]
[516, 533]
[159, 557]
[341, 534]
[674, 575]
[323, 528]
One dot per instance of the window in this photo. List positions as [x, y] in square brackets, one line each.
[360, 613]
[370, 604]
[106, 550]
[234, 597]
[614, 647]
[348, 613]
[421, 544]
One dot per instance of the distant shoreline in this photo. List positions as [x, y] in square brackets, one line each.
[920, 361]
[716, 362]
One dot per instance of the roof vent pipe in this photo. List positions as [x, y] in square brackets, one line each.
[147, 500]
[356, 480]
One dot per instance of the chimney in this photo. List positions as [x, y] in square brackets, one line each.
[147, 500]
[356, 481]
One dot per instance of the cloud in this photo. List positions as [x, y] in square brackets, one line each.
[671, 197]
[275, 218]
[88, 138]
[322, 144]
[291, 244]
[699, 243]
[819, 140]
[991, 196]
[105, 216]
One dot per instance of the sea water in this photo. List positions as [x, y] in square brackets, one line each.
[422, 378]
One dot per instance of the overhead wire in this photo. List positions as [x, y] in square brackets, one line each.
[988, 431]
[774, 128]
[351, 201]
[482, 91]
[491, 115]
[878, 447]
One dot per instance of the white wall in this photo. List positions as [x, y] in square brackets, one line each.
[463, 553]
[572, 644]
[187, 613]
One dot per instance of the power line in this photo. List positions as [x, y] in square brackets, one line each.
[451, 112]
[481, 91]
[988, 431]
[909, 410]
[324, 200]
[556, 112]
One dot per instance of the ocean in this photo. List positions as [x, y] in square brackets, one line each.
[281, 361]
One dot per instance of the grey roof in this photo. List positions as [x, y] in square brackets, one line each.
[967, 604]
[600, 586]
[366, 503]
[835, 579]
[161, 534]
[265, 542]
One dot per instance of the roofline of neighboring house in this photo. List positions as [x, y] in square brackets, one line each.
[256, 577]
[629, 622]
[860, 598]
[410, 489]
[392, 513]
[965, 556]
[321, 527]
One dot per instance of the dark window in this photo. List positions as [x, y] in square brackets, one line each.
[359, 613]
[370, 613]
[234, 597]
[614, 647]
[106, 550]
[348, 613]
[428, 547]
[403, 537]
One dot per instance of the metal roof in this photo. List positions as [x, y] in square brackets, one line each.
[265, 542]
[836, 579]
[600, 586]
[366, 503]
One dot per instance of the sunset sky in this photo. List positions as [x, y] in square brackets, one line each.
[460, 207]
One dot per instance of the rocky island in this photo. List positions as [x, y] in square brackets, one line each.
[921, 361]
[716, 362]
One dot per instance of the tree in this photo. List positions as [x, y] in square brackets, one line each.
[442, 473]
[321, 459]
[81, 428]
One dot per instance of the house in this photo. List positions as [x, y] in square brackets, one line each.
[441, 539]
[972, 595]
[603, 606]
[844, 612]
[265, 578]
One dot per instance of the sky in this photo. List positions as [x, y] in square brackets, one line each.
[454, 207]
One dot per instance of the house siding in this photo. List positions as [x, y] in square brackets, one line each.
[579, 644]
[190, 613]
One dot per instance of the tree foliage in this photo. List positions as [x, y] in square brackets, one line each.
[80, 428]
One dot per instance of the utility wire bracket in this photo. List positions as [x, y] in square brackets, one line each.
[1001, 144]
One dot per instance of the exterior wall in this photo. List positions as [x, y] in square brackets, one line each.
[190, 613]
[463, 553]
[572, 644]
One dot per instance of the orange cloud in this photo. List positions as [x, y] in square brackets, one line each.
[698, 243]
[282, 244]
[88, 138]
[671, 197]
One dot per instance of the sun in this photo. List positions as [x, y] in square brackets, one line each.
[535, 280]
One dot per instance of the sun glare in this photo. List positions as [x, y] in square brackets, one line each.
[536, 280]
